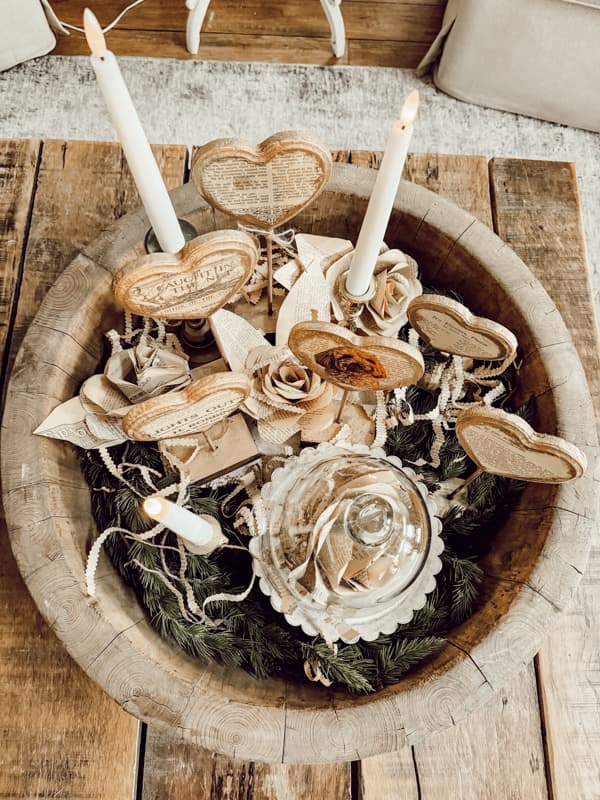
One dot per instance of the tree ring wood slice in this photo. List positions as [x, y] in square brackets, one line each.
[192, 284]
[356, 363]
[447, 325]
[192, 410]
[505, 444]
[263, 185]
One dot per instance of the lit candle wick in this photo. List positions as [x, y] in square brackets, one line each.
[93, 33]
[370, 239]
[409, 109]
[140, 158]
[153, 507]
[201, 532]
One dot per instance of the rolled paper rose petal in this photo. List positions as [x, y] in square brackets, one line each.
[286, 397]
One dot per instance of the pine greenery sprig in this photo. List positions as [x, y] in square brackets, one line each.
[347, 665]
[251, 635]
[394, 656]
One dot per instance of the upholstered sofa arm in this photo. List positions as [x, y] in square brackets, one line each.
[24, 32]
[535, 57]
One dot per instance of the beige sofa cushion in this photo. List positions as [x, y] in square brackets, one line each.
[535, 57]
[24, 32]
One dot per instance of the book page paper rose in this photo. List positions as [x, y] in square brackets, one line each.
[396, 284]
[286, 396]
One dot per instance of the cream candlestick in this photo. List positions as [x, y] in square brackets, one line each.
[380, 206]
[201, 532]
[138, 153]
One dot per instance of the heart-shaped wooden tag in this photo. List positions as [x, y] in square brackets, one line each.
[192, 410]
[449, 326]
[355, 363]
[192, 284]
[504, 444]
[263, 185]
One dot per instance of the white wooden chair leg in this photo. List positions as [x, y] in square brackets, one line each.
[197, 12]
[333, 12]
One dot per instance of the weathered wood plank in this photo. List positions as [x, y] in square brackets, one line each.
[496, 753]
[18, 163]
[386, 53]
[184, 772]
[368, 19]
[388, 33]
[61, 735]
[537, 211]
[486, 740]
[462, 179]
[214, 47]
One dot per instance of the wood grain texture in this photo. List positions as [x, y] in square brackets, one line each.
[461, 179]
[212, 267]
[536, 207]
[234, 176]
[367, 19]
[18, 163]
[181, 771]
[379, 32]
[496, 753]
[391, 53]
[62, 736]
[213, 47]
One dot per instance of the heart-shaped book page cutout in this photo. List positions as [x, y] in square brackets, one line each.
[357, 363]
[504, 444]
[191, 284]
[194, 409]
[263, 185]
[449, 326]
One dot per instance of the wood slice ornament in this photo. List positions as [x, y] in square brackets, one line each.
[355, 363]
[505, 444]
[195, 409]
[192, 284]
[263, 185]
[447, 325]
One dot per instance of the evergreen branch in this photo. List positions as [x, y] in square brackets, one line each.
[347, 666]
[395, 656]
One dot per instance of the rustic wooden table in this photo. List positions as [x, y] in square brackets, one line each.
[61, 736]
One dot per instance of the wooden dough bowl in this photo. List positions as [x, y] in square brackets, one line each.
[531, 572]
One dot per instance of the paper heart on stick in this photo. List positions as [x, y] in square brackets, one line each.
[192, 284]
[355, 363]
[263, 185]
[449, 326]
[504, 444]
[192, 410]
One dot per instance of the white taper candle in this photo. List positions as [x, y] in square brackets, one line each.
[202, 533]
[138, 153]
[380, 206]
